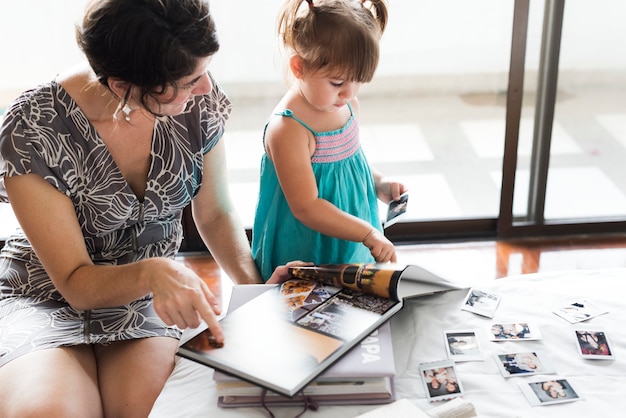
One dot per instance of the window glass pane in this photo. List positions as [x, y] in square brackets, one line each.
[433, 116]
[587, 175]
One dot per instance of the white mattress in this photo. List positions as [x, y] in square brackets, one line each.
[418, 337]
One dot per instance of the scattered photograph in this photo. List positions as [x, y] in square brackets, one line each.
[440, 380]
[578, 310]
[462, 345]
[547, 392]
[594, 344]
[525, 363]
[505, 331]
[481, 302]
[396, 209]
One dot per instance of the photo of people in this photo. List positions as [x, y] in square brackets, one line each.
[546, 392]
[440, 380]
[462, 345]
[302, 296]
[346, 315]
[481, 303]
[523, 363]
[513, 331]
[396, 209]
[593, 344]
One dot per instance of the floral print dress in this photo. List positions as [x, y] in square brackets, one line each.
[45, 132]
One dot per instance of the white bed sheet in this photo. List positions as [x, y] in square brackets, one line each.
[418, 337]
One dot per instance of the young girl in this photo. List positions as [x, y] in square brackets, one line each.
[318, 194]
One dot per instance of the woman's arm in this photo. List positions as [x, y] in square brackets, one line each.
[48, 219]
[218, 222]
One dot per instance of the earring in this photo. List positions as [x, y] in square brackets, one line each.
[126, 110]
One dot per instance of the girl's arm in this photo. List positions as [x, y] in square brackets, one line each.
[48, 219]
[218, 222]
[287, 144]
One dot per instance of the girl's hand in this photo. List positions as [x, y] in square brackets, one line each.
[380, 247]
[181, 297]
[281, 273]
[388, 189]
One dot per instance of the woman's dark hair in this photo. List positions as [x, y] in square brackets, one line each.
[148, 43]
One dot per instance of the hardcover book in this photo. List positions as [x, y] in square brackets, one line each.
[288, 335]
[364, 375]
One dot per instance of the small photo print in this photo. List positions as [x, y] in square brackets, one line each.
[526, 363]
[440, 380]
[462, 345]
[594, 344]
[578, 310]
[505, 331]
[547, 392]
[481, 303]
[396, 209]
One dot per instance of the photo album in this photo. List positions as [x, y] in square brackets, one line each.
[364, 375]
[285, 337]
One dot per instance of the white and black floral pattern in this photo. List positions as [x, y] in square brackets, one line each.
[46, 133]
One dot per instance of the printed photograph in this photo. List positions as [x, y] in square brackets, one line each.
[578, 310]
[440, 380]
[593, 344]
[547, 392]
[524, 364]
[513, 331]
[345, 317]
[481, 303]
[462, 345]
[396, 209]
[302, 296]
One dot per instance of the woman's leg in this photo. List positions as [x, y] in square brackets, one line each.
[56, 382]
[132, 374]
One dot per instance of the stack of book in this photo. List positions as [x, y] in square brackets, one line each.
[363, 376]
[316, 334]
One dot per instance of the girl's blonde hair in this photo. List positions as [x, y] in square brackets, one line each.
[334, 35]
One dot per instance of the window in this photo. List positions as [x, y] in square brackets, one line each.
[505, 118]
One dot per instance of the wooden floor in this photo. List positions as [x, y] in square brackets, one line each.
[478, 261]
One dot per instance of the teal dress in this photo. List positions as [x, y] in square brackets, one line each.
[343, 178]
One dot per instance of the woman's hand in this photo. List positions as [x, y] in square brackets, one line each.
[281, 273]
[181, 297]
[380, 247]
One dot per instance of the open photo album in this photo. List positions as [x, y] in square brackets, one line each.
[284, 338]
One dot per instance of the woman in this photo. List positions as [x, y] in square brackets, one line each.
[98, 165]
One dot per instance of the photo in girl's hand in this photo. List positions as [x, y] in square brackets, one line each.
[396, 209]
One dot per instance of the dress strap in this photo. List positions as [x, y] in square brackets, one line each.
[288, 113]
